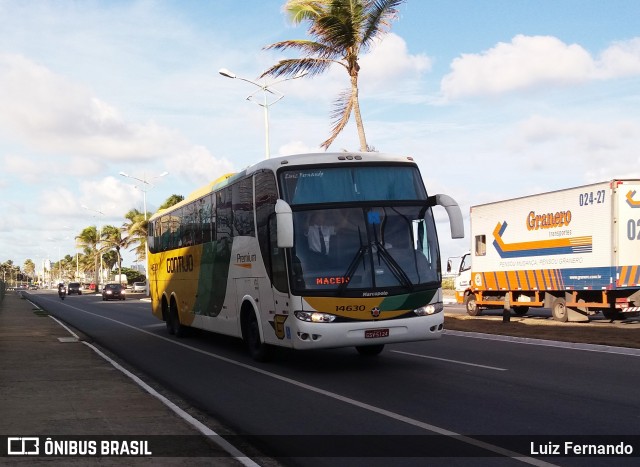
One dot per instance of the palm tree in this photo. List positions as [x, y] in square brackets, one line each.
[29, 268]
[112, 240]
[170, 201]
[342, 30]
[89, 239]
[136, 232]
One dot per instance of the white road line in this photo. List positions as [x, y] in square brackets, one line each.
[201, 427]
[347, 400]
[548, 343]
[450, 361]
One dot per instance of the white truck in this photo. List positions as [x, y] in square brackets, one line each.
[575, 251]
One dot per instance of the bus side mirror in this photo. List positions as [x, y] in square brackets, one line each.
[453, 211]
[284, 222]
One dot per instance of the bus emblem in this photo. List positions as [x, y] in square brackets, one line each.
[375, 312]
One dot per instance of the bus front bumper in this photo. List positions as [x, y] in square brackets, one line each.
[330, 335]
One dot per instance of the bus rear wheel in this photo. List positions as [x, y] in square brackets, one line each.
[173, 322]
[370, 350]
[258, 350]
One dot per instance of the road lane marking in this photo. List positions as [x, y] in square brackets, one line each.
[548, 343]
[347, 400]
[450, 361]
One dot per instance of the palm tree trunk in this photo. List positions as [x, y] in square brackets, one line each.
[356, 113]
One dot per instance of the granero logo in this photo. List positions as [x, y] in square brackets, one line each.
[180, 264]
[549, 220]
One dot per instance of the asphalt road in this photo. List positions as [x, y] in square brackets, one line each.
[453, 401]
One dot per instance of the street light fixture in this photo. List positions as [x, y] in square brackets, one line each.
[144, 190]
[265, 88]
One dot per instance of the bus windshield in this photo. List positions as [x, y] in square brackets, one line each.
[362, 249]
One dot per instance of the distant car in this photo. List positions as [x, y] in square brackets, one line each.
[139, 287]
[113, 292]
[74, 287]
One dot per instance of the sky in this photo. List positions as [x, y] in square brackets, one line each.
[494, 99]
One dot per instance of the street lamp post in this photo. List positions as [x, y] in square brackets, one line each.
[265, 88]
[146, 186]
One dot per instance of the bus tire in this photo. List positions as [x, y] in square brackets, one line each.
[471, 305]
[370, 350]
[559, 310]
[176, 328]
[167, 316]
[258, 350]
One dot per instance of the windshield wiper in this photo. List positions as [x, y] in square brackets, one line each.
[352, 267]
[395, 268]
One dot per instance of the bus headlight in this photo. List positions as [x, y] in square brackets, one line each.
[430, 309]
[314, 317]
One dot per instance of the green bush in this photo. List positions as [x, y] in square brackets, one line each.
[448, 283]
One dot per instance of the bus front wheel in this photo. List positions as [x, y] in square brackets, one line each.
[370, 350]
[258, 350]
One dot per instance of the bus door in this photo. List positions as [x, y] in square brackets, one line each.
[274, 293]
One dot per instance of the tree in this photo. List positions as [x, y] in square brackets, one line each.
[29, 268]
[170, 201]
[135, 228]
[342, 29]
[89, 239]
[112, 240]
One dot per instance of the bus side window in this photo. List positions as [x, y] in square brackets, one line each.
[273, 257]
[242, 205]
[223, 214]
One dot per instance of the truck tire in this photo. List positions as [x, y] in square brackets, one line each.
[470, 305]
[520, 310]
[559, 310]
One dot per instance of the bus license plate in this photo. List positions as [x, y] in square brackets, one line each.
[374, 333]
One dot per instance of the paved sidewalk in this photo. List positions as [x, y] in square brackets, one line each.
[52, 385]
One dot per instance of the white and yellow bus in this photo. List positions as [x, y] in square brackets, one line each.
[305, 251]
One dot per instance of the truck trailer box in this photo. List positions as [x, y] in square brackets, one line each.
[580, 246]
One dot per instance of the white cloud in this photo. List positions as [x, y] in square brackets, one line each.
[533, 61]
[389, 63]
[599, 150]
[619, 60]
[196, 165]
[47, 111]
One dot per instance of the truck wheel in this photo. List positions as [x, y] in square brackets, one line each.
[559, 310]
[470, 305]
[520, 310]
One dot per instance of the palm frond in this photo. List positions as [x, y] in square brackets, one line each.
[309, 48]
[340, 115]
[304, 10]
[378, 19]
[295, 66]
